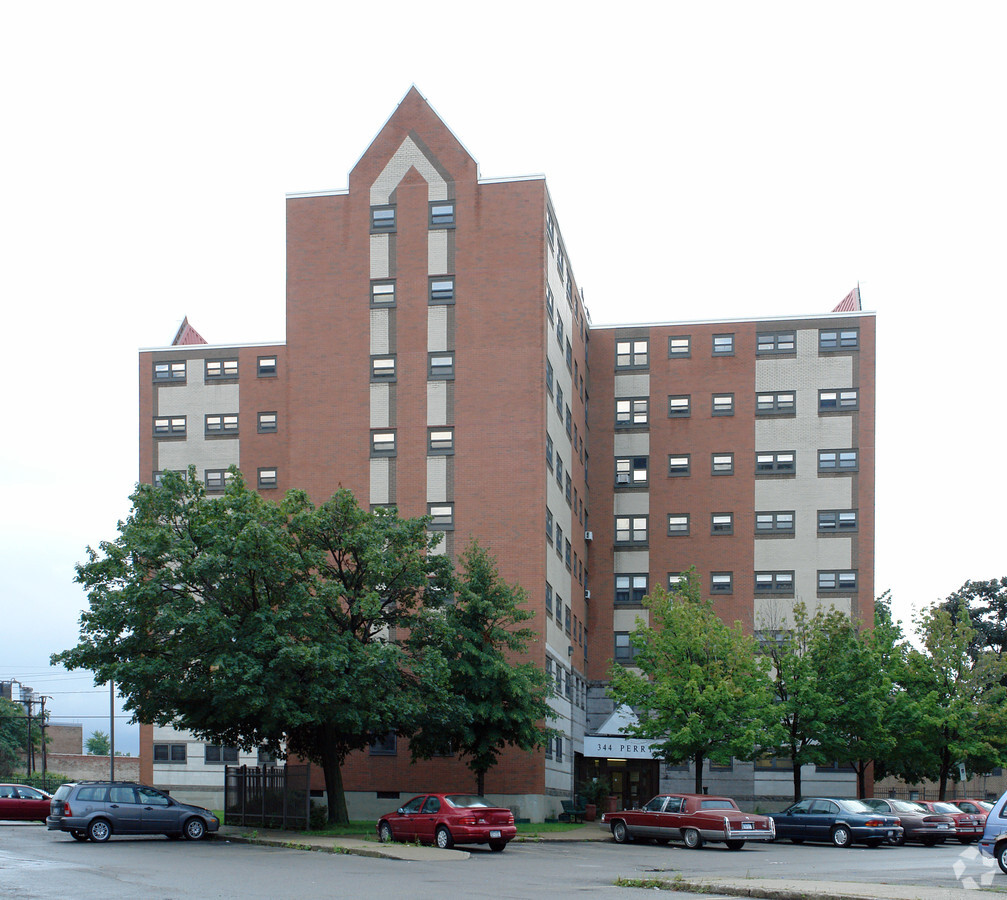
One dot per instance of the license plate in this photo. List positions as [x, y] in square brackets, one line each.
[747, 826]
[494, 834]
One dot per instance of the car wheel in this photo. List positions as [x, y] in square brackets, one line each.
[195, 829]
[497, 846]
[1001, 855]
[385, 833]
[692, 838]
[79, 835]
[444, 839]
[841, 836]
[620, 833]
[735, 845]
[99, 831]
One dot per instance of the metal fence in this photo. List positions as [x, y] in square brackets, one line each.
[268, 797]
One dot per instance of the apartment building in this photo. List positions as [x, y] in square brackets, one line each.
[437, 360]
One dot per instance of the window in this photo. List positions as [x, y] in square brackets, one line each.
[837, 581]
[169, 753]
[632, 354]
[631, 529]
[221, 424]
[839, 339]
[217, 753]
[266, 367]
[382, 443]
[722, 464]
[548, 604]
[630, 588]
[385, 746]
[440, 441]
[217, 369]
[782, 462]
[679, 346]
[678, 464]
[382, 368]
[169, 426]
[624, 650]
[836, 521]
[442, 291]
[678, 523]
[266, 422]
[631, 412]
[781, 522]
[722, 523]
[267, 479]
[548, 524]
[769, 342]
[723, 345]
[679, 406]
[722, 405]
[382, 293]
[382, 218]
[838, 401]
[170, 371]
[216, 479]
[774, 582]
[442, 214]
[837, 461]
[442, 516]
[777, 403]
[631, 471]
[441, 366]
[721, 582]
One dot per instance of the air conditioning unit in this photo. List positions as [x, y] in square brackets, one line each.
[588, 535]
[622, 478]
[587, 595]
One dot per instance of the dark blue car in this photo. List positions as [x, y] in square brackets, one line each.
[839, 822]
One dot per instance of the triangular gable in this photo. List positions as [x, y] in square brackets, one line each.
[187, 335]
[615, 724]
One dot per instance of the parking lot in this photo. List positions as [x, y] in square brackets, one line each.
[35, 863]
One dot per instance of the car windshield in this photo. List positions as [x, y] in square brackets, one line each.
[855, 806]
[465, 801]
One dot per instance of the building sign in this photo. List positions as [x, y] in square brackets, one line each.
[618, 748]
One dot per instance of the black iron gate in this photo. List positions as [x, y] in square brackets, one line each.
[268, 797]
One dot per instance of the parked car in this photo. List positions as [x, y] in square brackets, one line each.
[99, 809]
[449, 819]
[843, 822]
[691, 818]
[994, 840]
[968, 826]
[918, 823]
[22, 802]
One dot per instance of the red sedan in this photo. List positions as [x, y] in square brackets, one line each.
[692, 819]
[449, 819]
[18, 801]
[968, 826]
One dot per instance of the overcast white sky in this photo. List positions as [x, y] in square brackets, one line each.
[706, 160]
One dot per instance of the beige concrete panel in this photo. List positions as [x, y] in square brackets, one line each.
[437, 403]
[437, 329]
[407, 156]
[637, 385]
[632, 444]
[380, 405]
[437, 479]
[380, 251]
[379, 332]
[437, 252]
[633, 503]
[380, 478]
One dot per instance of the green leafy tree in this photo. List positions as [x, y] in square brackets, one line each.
[701, 691]
[254, 624]
[98, 744]
[959, 694]
[501, 696]
[14, 736]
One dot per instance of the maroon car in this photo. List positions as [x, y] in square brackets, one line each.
[691, 818]
[449, 819]
[18, 801]
[968, 825]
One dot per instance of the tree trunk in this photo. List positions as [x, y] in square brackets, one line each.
[332, 766]
[699, 771]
